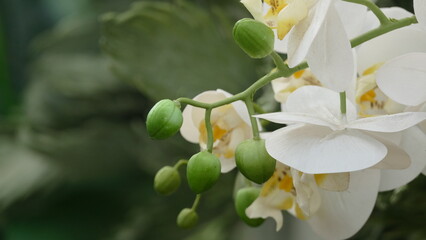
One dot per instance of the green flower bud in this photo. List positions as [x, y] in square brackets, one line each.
[187, 218]
[203, 171]
[164, 119]
[254, 37]
[244, 198]
[253, 161]
[167, 180]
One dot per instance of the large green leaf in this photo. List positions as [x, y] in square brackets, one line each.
[171, 50]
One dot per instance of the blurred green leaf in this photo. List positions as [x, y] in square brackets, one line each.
[171, 50]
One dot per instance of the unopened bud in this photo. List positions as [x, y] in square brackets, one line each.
[167, 180]
[203, 171]
[244, 198]
[187, 218]
[254, 37]
[164, 119]
[253, 161]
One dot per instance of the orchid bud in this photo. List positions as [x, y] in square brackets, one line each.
[253, 161]
[203, 170]
[254, 37]
[164, 119]
[167, 180]
[187, 218]
[244, 198]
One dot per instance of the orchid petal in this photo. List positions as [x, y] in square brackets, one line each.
[352, 16]
[330, 55]
[414, 143]
[316, 149]
[193, 116]
[255, 7]
[291, 15]
[336, 182]
[420, 10]
[227, 164]
[390, 45]
[388, 123]
[260, 208]
[403, 79]
[286, 118]
[321, 102]
[280, 46]
[342, 214]
[304, 33]
[396, 158]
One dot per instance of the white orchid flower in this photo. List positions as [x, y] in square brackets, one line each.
[322, 140]
[315, 34]
[336, 205]
[396, 60]
[230, 123]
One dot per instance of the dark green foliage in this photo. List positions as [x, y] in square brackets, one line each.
[173, 50]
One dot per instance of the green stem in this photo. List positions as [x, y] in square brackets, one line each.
[382, 30]
[374, 8]
[279, 61]
[258, 108]
[180, 163]
[285, 71]
[209, 130]
[343, 102]
[196, 202]
[249, 103]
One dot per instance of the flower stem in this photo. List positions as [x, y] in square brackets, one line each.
[180, 163]
[279, 61]
[343, 102]
[382, 30]
[196, 202]
[374, 8]
[284, 71]
[250, 108]
[209, 130]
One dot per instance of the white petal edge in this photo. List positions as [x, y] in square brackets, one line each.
[258, 209]
[396, 158]
[403, 79]
[315, 149]
[304, 33]
[389, 45]
[286, 118]
[255, 7]
[321, 102]
[414, 143]
[388, 123]
[420, 11]
[330, 55]
[352, 16]
[342, 214]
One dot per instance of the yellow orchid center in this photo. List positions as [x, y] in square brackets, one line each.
[218, 132]
[372, 69]
[276, 7]
[370, 98]
[280, 181]
[299, 74]
[283, 87]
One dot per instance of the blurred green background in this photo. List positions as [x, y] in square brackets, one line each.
[77, 79]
